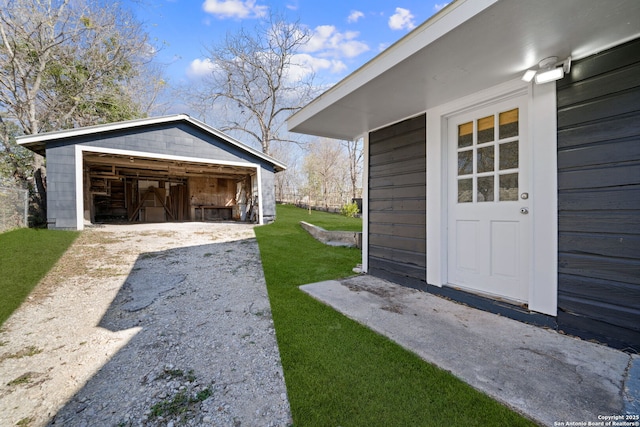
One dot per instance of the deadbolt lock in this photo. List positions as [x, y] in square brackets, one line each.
[524, 196]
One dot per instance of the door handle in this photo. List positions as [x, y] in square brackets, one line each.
[524, 211]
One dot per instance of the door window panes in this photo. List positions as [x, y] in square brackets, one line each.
[488, 160]
[465, 135]
[508, 124]
[485, 159]
[485, 130]
[465, 162]
[465, 190]
[509, 155]
[485, 189]
[509, 187]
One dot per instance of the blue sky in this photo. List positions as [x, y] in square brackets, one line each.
[345, 34]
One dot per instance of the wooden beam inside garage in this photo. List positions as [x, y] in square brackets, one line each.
[159, 168]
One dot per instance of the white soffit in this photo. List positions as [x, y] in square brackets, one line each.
[468, 46]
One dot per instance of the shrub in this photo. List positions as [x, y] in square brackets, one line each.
[350, 210]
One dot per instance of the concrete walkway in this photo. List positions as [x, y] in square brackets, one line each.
[551, 378]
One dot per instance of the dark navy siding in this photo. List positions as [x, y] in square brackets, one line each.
[397, 203]
[599, 198]
[61, 188]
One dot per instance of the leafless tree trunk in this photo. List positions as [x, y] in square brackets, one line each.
[288, 182]
[354, 154]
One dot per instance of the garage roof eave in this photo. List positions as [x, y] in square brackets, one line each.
[37, 142]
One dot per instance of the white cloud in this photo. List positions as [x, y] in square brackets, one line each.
[327, 41]
[200, 68]
[354, 16]
[439, 6]
[338, 66]
[402, 20]
[303, 64]
[234, 8]
[326, 51]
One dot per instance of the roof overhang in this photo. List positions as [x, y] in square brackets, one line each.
[38, 142]
[468, 46]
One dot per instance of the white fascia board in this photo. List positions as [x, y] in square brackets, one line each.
[452, 16]
[90, 130]
[148, 155]
[231, 140]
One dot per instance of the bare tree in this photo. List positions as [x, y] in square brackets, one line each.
[287, 182]
[257, 81]
[354, 156]
[66, 63]
[326, 169]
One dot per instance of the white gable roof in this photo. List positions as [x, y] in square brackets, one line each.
[468, 46]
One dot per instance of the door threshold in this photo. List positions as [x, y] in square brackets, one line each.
[488, 295]
[511, 309]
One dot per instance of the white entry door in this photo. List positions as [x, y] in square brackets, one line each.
[489, 218]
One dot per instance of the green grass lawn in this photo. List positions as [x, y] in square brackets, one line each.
[340, 373]
[321, 219]
[26, 255]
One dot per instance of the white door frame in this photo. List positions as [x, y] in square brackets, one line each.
[542, 132]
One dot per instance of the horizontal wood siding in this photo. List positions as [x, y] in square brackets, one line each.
[599, 197]
[397, 203]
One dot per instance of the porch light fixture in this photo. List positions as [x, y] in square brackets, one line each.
[549, 70]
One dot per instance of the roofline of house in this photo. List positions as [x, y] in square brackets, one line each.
[451, 16]
[36, 142]
[463, 49]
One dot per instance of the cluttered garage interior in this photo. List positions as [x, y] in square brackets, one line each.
[133, 189]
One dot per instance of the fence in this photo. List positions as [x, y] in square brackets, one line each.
[14, 208]
[331, 202]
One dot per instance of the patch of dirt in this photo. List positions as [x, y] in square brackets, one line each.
[145, 325]
[360, 283]
[393, 308]
[388, 293]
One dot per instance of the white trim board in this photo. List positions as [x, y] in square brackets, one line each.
[542, 135]
[79, 178]
[365, 203]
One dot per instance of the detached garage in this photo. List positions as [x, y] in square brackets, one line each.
[171, 168]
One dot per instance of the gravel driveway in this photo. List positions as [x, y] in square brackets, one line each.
[144, 325]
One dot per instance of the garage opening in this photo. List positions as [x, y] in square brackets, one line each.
[120, 188]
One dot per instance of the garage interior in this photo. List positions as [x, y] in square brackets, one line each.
[119, 188]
